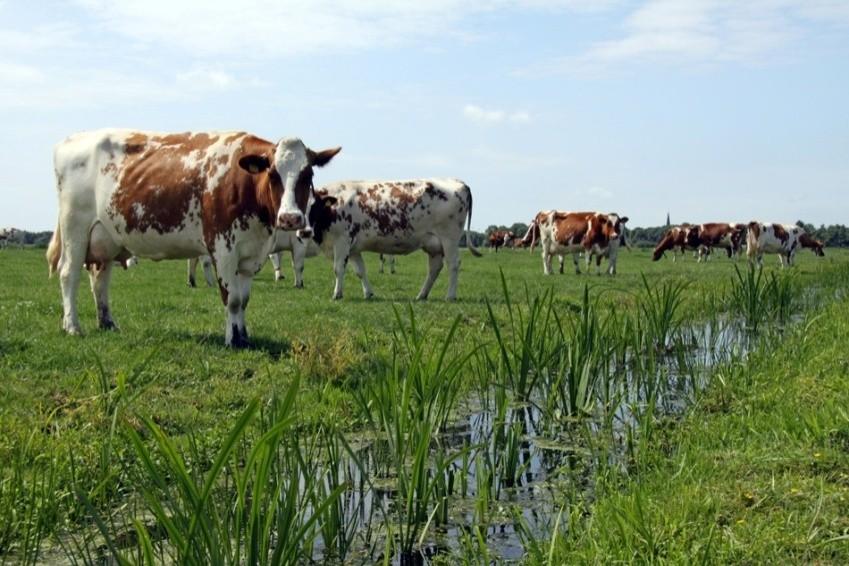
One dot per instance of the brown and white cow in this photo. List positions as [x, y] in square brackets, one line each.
[393, 217]
[783, 239]
[172, 196]
[500, 238]
[672, 239]
[725, 235]
[593, 233]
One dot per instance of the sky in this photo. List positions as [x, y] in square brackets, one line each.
[712, 110]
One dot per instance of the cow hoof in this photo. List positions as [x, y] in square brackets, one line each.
[368, 296]
[109, 325]
[421, 298]
[192, 283]
[299, 285]
[337, 297]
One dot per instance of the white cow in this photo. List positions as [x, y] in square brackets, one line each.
[387, 258]
[176, 196]
[300, 248]
[393, 217]
[783, 239]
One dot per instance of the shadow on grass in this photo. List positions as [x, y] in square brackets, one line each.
[275, 348]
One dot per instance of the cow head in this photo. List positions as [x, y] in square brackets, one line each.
[738, 231]
[291, 165]
[618, 228]
[815, 245]
[322, 214]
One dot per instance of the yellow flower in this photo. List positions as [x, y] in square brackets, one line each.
[741, 521]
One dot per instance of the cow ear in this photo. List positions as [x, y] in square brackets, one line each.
[254, 163]
[323, 157]
[623, 220]
[329, 202]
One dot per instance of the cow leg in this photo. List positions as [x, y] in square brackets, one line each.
[360, 270]
[275, 261]
[560, 260]
[575, 260]
[434, 266]
[392, 264]
[239, 291]
[206, 262]
[452, 258]
[193, 265]
[598, 259]
[299, 251]
[74, 246]
[341, 249]
[382, 260]
[546, 262]
[99, 278]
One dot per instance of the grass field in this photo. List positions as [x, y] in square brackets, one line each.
[98, 430]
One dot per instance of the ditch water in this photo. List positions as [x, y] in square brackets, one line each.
[555, 458]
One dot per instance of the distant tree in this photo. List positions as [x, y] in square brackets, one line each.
[519, 228]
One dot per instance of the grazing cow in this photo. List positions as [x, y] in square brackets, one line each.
[783, 239]
[675, 237]
[499, 238]
[393, 217]
[387, 258]
[560, 233]
[176, 196]
[705, 237]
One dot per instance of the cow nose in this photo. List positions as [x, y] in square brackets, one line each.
[290, 221]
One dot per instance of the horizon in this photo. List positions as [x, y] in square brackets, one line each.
[710, 110]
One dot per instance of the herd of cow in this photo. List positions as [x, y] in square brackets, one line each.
[229, 200]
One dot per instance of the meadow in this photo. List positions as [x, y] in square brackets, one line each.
[567, 418]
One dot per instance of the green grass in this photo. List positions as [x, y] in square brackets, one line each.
[75, 411]
[757, 473]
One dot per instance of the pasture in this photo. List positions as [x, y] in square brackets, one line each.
[344, 434]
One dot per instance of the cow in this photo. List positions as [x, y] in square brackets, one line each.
[9, 235]
[705, 237]
[387, 258]
[208, 274]
[783, 239]
[560, 233]
[500, 238]
[393, 217]
[300, 249]
[674, 237]
[176, 196]
[283, 241]
[610, 251]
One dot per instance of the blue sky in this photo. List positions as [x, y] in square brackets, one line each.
[711, 109]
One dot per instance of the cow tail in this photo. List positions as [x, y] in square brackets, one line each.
[469, 242]
[54, 252]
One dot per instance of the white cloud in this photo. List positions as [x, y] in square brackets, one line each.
[702, 31]
[13, 73]
[206, 79]
[482, 115]
[252, 29]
